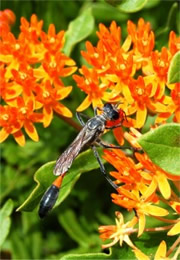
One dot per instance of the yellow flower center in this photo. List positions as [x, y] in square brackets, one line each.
[145, 42]
[52, 64]
[5, 117]
[17, 46]
[126, 173]
[23, 75]
[87, 81]
[161, 63]
[46, 94]
[122, 66]
[140, 91]
[96, 55]
[23, 110]
[52, 40]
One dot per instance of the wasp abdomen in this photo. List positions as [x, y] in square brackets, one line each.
[48, 200]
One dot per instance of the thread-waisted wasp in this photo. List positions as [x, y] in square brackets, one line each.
[88, 135]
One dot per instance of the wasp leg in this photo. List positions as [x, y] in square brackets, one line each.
[112, 146]
[96, 109]
[79, 117]
[103, 169]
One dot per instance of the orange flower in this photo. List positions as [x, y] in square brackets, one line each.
[143, 40]
[8, 90]
[31, 31]
[48, 97]
[140, 201]
[138, 187]
[25, 78]
[174, 43]
[52, 42]
[53, 67]
[91, 85]
[110, 38]
[156, 174]
[32, 66]
[8, 121]
[127, 173]
[141, 94]
[119, 232]
[20, 114]
[7, 18]
[173, 106]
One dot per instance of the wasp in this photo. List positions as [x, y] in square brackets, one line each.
[89, 136]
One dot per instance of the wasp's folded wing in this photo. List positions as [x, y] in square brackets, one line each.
[65, 160]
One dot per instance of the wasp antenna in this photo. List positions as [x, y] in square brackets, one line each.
[117, 104]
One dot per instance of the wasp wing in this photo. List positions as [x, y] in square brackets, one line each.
[67, 157]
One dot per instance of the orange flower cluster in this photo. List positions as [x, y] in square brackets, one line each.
[145, 190]
[31, 68]
[133, 73]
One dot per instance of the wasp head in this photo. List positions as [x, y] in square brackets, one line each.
[110, 111]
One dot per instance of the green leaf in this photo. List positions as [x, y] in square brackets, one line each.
[5, 221]
[78, 30]
[87, 256]
[131, 6]
[100, 11]
[174, 69]
[163, 147]
[151, 4]
[71, 224]
[44, 177]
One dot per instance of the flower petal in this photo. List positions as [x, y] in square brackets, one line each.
[151, 189]
[31, 131]
[174, 230]
[161, 252]
[119, 135]
[154, 210]
[64, 92]
[62, 110]
[140, 117]
[19, 137]
[164, 186]
[140, 255]
[85, 104]
[48, 115]
[142, 222]
[3, 135]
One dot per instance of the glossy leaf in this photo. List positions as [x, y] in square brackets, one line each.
[131, 6]
[71, 224]
[100, 11]
[5, 221]
[78, 30]
[174, 69]
[44, 177]
[163, 147]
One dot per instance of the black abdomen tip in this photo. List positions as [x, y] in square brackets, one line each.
[48, 200]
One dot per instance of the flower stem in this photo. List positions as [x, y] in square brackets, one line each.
[70, 121]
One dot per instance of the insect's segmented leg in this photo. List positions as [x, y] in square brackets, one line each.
[96, 109]
[112, 146]
[103, 169]
[79, 117]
